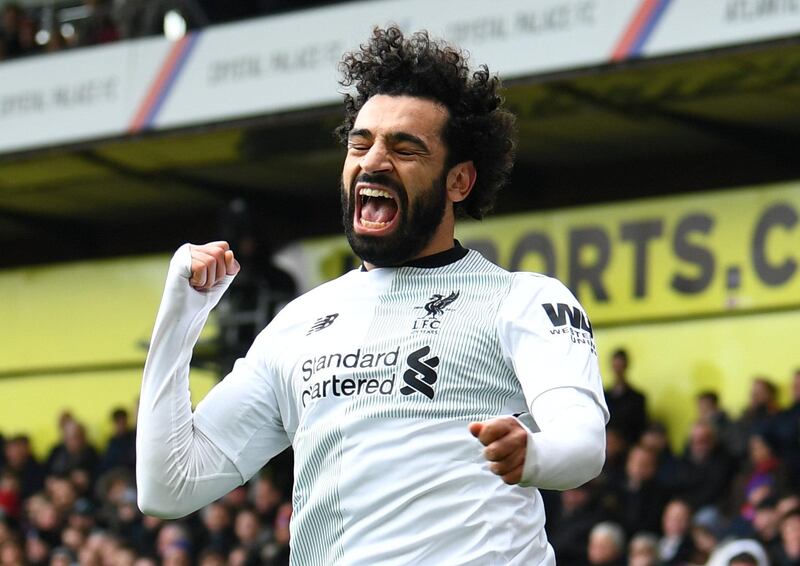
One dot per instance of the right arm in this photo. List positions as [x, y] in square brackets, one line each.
[186, 460]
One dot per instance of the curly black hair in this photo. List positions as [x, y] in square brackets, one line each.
[478, 128]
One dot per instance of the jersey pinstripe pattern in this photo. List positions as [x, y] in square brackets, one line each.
[478, 383]
[377, 403]
[317, 493]
[472, 383]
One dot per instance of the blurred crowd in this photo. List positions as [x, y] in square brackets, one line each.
[66, 24]
[79, 507]
[730, 497]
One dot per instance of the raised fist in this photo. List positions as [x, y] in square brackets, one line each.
[210, 264]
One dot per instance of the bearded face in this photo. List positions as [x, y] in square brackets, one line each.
[367, 201]
[394, 181]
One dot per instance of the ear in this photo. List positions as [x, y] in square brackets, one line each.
[460, 180]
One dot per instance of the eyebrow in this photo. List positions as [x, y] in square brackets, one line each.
[410, 138]
[360, 133]
[394, 137]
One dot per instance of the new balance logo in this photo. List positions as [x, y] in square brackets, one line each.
[421, 375]
[559, 314]
[323, 323]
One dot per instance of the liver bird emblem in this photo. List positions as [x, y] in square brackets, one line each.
[437, 303]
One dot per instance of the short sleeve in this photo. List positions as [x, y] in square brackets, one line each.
[242, 414]
[547, 338]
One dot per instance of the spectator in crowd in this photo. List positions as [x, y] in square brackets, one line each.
[176, 555]
[211, 557]
[568, 530]
[217, 521]
[606, 545]
[121, 449]
[62, 556]
[655, 438]
[249, 533]
[787, 503]
[786, 427]
[765, 523]
[126, 522]
[788, 553]
[743, 559]
[277, 553]
[758, 416]
[643, 550]
[261, 289]
[704, 471]
[266, 498]
[114, 490]
[613, 474]
[46, 521]
[704, 540]
[237, 497]
[11, 553]
[11, 20]
[626, 405]
[82, 516]
[98, 27]
[73, 452]
[61, 492]
[73, 538]
[676, 545]
[640, 501]
[710, 412]
[21, 461]
[17, 32]
[59, 519]
[10, 498]
[172, 536]
[733, 550]
[37, 550]
[146, 543]
[110, 20]
[762, 477]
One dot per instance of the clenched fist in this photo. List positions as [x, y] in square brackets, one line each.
[505, 441]
[210, 264]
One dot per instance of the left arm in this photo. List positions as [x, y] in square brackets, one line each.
[567, 451]
[555, 362]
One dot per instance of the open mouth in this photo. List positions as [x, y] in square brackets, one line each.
[376, 209]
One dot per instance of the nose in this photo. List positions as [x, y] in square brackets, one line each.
[376, 160]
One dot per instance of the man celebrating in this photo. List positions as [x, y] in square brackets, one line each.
[378, 378]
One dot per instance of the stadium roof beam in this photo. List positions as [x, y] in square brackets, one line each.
[162, 177]
[758, 139]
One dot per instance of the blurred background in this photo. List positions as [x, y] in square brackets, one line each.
[657, 175]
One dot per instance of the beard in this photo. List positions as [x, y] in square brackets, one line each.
[415, 228]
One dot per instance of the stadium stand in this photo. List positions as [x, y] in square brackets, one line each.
[684, 111]
[54, 26]
[80, 503]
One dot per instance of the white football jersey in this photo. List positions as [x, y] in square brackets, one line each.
[374, 377]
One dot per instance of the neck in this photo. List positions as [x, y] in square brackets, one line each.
[438, 259]
[441, 241]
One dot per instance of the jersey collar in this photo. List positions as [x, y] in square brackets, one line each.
[440, 259]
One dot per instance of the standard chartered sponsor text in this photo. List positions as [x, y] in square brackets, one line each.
[336, 386]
